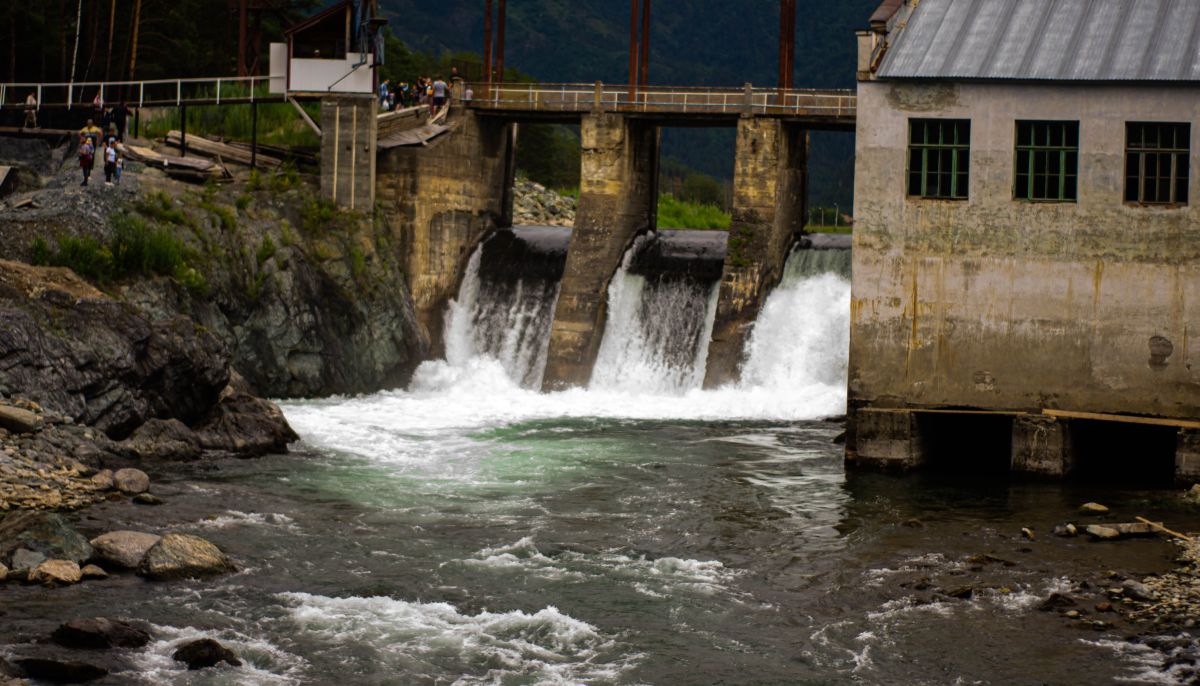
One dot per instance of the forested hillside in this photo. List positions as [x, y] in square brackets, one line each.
[693, 42]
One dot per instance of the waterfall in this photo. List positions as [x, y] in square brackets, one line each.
[657, 332]
[504, 319]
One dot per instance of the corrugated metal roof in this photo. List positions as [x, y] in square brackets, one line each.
[1055, 40]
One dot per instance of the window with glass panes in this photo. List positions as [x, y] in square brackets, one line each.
[1047, 166]
[1156, 162]
[939, 158]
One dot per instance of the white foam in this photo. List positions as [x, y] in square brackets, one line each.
[263, 663]
[238, 518]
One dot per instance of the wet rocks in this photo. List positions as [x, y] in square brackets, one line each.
[147, 499]
[56, 573]
[1102, 533]
[99, 633]
[205, 652]
[1056, 601]
[61, 671]
[1066, 530]
[244, 424]
[131, 481]
[534, 204]
[182, 556]
[18, 421]
[3, 572]
[1093, 509]
[164, 440]
[123, 549]
[91, 572]
[1137, 590]
[961, 592]
[50, 535]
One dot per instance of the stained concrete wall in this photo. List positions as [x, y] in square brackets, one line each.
[617, 200]
[1004, 304]
[440, 200]
[348, 136]
[769, 196]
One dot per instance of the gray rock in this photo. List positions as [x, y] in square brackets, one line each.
[205, 652]
[98, 633]
[163, 439]
[23, 562]
[56, 573]
[18, 421]
[46, 533]
[123, 549]
[246, 425]
[1093, 508]
[147, 499]
[1137, 590]
[103, 480]
[61, 671]
[131, 481]
[1103, 533]
[93, 572]
[182, 556]
[1066, 530]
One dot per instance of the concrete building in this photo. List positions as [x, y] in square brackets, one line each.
[1026, 282]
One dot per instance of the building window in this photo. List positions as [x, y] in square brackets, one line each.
[1156, 163]
[1047, 161]
[939, 158]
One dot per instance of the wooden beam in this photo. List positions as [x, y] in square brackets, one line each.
[304, 115]
[1123, 418]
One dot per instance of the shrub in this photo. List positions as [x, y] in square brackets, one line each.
[266, 251]
[317, 215]
[40, 252]
[160, 207]
[255, 182]
[243, 201]
[677, 214]
[85, 256]
[141, 250]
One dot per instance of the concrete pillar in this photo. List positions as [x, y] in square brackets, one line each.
[1187, 456]
[769, 197]
[888, 440]
[348, 137]
[439, 201]
[1042, 446]
[617, 200]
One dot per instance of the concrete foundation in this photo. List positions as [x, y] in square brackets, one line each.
[1187, 457]
[1042, 446]
[440, 200]
[617, 200]
[887, 440]
[348, 137]
[769, 197]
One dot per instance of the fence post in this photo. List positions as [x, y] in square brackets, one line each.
[598, 98]
[748, 100]
[218, 91]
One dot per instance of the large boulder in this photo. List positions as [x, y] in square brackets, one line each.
[18, 421]
[61, 671]
[99, 633]
[163, 439]
[56, 573]
[183, 556]
[41, 532]
[131, 481]
[205, 652]
[123, 549]
[245, 424]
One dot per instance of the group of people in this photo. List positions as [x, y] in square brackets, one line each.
[93, 143]
[112, 119]
[425, 91]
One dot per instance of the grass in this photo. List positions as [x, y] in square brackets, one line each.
[159, 207]
[278, 122]
[266, 250]
[678, 214]
[319, 215]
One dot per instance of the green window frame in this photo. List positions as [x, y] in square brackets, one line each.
[1157, 156]
[1047, 161]
[939, 158]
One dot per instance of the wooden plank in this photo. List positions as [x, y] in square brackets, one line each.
[224, 151]
[923, 410]
[37, 132]
[169, 162]
[1124, 418]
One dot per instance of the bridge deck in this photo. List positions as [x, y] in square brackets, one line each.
[156, 93]
[823, 108]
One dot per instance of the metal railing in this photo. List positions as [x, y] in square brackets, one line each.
[152, 93]
[575, 97]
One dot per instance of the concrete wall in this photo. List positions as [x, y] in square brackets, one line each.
[440, 200]
[769, 197]
[1004, 304]
[617, 200]
[348, 136]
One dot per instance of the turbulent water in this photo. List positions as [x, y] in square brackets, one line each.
[469, 530]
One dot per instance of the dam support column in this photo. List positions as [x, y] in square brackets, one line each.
[348, 141]
[439, 200]
[1042, 446]
[889, 440]
[617, 200]
[769, 195]
[1187, 456]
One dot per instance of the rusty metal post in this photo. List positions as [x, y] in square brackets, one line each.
[241, 62]
[487, 41]
[500, 12]
[633, 49]
[791, 52]
[644, 78]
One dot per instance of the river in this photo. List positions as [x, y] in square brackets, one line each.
[469, 530]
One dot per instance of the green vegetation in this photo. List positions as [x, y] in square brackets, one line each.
[680, 214]
[319, 215]
[243, 201]
[134, 249]
[265, 251]
[549, 154]
[159, 207]
[278, 122]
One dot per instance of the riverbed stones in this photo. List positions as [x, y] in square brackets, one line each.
[1093, 509]
[148, 499]
[205, 652]
[56, 573]
[1137, 590]
[46, 533]
[1066, 530]
[1102, 533]
[131, 481]
[90, 572]
[124, 549]
[99, 633]
[61, 671]
[164, 440]
[19, 421]
[103, 480]
[183, 556]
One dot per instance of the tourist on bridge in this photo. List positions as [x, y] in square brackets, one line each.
[87, 158]
[31, 104]
[384, 94]
[439, 96]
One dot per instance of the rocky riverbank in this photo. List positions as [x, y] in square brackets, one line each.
[536, 205]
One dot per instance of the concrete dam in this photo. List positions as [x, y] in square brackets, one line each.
[661, 307]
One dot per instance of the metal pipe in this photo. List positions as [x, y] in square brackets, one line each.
[253, 135]
[241, 62]
[644, 80]
[633, 48]
[500, 12]
[487, 40]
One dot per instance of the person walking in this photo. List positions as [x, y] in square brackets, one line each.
[31, 105]
[439, 95]
[383, 94]
[110, 161]
[93, 134]
[120, 168]
[87, 157]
